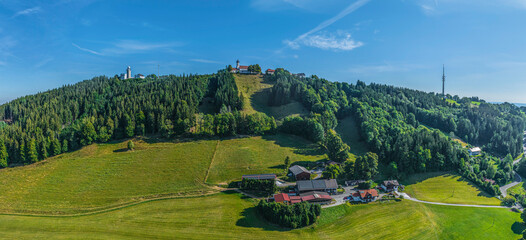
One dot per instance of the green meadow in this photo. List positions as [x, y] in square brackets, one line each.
[447, 188]
[230, 216]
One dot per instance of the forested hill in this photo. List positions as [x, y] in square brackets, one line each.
[409, 130]
[102, 109]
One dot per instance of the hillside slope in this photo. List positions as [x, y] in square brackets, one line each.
[102, 176]
[255, 91]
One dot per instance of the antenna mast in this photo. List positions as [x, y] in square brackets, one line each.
[443, 81]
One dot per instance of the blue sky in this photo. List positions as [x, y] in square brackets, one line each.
[46, 44]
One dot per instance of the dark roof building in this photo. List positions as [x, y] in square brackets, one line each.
[325, 185]
[299, 172]
[260, 176]
[390, 185]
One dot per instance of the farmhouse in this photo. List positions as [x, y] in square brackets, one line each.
[474, 151]
[299, 172]
[316, 197]
[390, 185]
[270, 71]
[368, 195]
[310, 197]
[260, 176]
[324, 185]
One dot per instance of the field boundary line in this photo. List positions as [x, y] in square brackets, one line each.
[111, 209]
[211, 161]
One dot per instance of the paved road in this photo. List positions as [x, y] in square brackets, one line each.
[339, 197]
[516, 180]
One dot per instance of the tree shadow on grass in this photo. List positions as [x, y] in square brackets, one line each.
[518, 227]
[298, 144]
[251, 219]
[120, 150]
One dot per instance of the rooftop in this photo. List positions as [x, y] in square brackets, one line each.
[296, 169]
[260, 176]
[318, 184]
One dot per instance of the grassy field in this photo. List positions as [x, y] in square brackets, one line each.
[446, 188]
[517, 189]
[102, 176]
[105, 174]
[259, 155]
[348, 130]
[255, 93]
[229, 216]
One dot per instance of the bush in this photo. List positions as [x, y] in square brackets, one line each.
[508, 201]
[365, 185]
[264, 186]
[291, 216]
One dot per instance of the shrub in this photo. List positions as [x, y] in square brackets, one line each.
[291, 216]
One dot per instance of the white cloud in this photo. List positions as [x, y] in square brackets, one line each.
[86, 50]
[28, 11]
[204, 61]
[339, 41]
[328, 42]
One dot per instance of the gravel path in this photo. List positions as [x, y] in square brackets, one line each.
[449, 204]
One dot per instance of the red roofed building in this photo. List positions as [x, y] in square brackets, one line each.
[295, 199]
[282, 198]
[269, 71]
[316, 197]
[367, 195]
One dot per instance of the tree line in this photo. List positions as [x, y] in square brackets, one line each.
[404, 127]
[290, 216]
[104, 109]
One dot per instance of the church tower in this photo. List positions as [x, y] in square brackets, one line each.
[128, 72]
[237, 64]
[443, 81]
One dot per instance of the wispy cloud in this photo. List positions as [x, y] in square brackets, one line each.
[28, 11]
[199, 60]
[432, 7]
[303, 38]
[130, 47]
[86, 50]
[386, 67]
[43, 62]
[6, 45]
[339, 41]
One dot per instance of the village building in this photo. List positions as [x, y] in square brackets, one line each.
[390, 185]
[491, 181]
[316, 197]
[240, 69]
[299, 172]
[140, 76]
[321, 185]
[364, 196]
[270, 71]
[310, 197]
[300, 75]
[260, 176]
[474, 151]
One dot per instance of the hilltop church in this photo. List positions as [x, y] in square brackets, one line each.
[240, 69]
